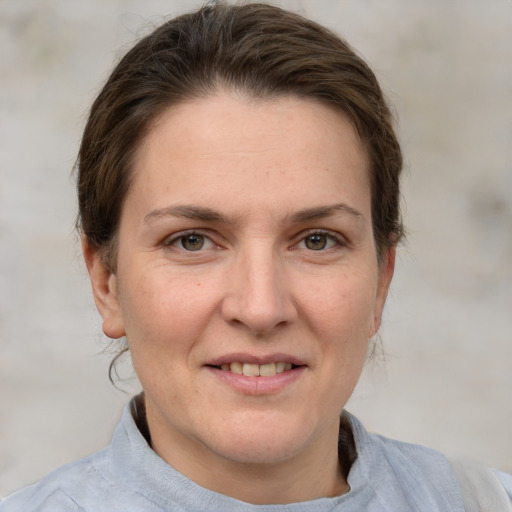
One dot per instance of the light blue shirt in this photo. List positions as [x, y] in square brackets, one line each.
[128, 476]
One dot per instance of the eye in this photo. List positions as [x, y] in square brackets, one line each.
[319, 241]
[316, 242]
[190, 242]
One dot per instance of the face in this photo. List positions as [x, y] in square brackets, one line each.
[247, 280]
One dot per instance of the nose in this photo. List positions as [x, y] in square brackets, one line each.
[258, 296]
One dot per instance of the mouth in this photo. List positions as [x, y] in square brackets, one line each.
[256, 370]
[257, 375]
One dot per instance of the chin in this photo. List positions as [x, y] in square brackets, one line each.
[261, 441]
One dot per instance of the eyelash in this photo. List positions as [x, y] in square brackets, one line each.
[176, 238]
[331, 236]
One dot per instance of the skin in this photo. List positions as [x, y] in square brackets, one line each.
[252, 180]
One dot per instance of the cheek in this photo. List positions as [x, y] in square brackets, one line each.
[163, 312]
[341, 307]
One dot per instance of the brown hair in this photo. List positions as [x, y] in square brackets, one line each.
[255, 48]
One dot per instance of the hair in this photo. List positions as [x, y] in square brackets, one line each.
[257, 49]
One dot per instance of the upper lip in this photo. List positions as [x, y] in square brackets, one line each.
[255, 359]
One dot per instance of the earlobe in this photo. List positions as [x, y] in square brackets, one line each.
[104, 288]
[386, 270]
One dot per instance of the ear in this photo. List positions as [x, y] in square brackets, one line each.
[386, 270]
[104, 288]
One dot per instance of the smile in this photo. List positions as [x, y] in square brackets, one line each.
[257, 370]
[253, 378]
[257, 375]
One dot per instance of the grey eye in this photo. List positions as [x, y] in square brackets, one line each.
[316, 242]
[192, 242]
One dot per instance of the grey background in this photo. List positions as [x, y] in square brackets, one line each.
[446, 378]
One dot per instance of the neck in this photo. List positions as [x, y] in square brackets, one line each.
[318, 472]
[287, 482]
[311, 475]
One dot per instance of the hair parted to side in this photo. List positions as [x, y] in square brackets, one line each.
[257, 49]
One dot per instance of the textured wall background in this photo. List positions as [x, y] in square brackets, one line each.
[447, 378]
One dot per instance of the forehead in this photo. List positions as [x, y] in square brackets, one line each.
[263, 149]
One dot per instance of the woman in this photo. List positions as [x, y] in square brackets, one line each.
[239, 209]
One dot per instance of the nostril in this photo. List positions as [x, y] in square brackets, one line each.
[258, 305]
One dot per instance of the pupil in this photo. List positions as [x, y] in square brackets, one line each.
[192, 242]
[316, 242]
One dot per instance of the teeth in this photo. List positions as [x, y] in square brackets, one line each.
[251, 370]
[237, 368]
[268, 370]
[257, 370]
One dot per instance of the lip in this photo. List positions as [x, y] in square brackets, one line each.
[255, 359]
[257, 386]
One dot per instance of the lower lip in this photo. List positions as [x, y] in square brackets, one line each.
[258, 385]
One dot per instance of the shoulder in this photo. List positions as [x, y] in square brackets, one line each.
[413, 460]
[477, 483]
[506, 481]
[412, 476]
[399, 453]
[423, 475]
[111, 480]
[62, 490]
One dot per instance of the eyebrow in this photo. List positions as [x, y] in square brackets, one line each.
[321, 212]
[208, 215]
[186, 211]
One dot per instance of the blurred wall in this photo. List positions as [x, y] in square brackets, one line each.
[446, 380]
